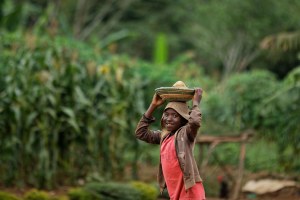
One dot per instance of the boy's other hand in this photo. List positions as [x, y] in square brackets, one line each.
[197, 96]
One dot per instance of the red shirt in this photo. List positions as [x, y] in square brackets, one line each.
[173, 174]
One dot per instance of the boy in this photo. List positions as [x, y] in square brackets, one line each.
[178, 170]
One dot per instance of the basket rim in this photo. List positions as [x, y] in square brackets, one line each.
[176, 97]
[173, 89]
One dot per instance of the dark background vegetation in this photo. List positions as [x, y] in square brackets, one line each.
[75, 77]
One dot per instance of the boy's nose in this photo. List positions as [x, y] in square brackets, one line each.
[169, 118]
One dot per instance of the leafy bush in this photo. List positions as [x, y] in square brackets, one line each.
[281, 120]
[148, 192]
[81, 194]
[256, 100]
[247, 92]
[59, 198]
[35, 194]
[7, 196]
[236, 104]
[113, 191]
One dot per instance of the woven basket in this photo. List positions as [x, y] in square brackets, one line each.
[175, 94]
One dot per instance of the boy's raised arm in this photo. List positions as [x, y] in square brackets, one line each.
[156, 102]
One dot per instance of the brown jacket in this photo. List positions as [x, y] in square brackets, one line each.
[184, 144]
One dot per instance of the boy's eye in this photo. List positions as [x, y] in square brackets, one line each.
[172, 115]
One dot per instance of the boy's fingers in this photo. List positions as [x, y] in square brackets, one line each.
[198, 91]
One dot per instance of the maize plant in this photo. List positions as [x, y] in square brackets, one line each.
[66, 111]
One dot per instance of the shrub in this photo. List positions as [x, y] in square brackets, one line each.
[35, 194]
[81, 194]
[237, 103]
[113, 191]
[148, 192]
[59, 198]
[7, 196]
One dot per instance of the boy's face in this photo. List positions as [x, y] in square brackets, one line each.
[172, 120]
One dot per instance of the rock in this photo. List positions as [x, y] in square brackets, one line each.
[264, 186]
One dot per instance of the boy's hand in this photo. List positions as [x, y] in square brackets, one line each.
[157, 100]
[197, 96]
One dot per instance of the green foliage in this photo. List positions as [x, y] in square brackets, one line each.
[236, 104]
[35, 194]
[97, 191]
[246, 92]
[60, 103]
[148, 192]
[281, 114]
[229, 154]
[161, 49]
[59, 198]
[268, 155]
[211, 186]
[113, 191]
[256, 100]
[188, 26]
[230, 38]
[216, 110]
[7, 196]
[81, 194]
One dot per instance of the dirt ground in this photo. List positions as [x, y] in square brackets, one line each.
[148, 173]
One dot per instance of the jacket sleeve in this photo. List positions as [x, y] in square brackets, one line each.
[143, 132]
[194, 123]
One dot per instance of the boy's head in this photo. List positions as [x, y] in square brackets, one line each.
[175, 115]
